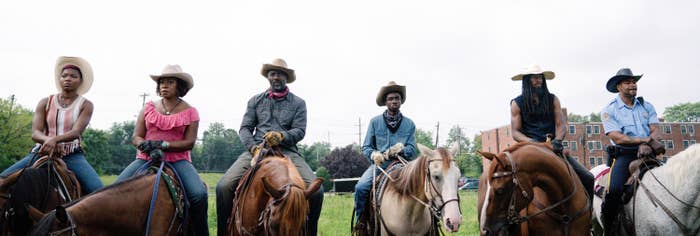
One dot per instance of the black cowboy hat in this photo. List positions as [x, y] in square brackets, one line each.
[623, 73]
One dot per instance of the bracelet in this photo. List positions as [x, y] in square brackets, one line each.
[165, 145]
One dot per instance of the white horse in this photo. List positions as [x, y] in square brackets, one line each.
[428, 182]
[676, 186]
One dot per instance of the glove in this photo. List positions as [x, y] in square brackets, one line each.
[645, 151]
[378, 158]
[273, 138]
[557, 146]
[393, 150]
[157, 154]
[150, 145]
[658, 148]
[255, 149]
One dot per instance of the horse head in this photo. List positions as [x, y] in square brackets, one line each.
[442, 177]
[57, 222]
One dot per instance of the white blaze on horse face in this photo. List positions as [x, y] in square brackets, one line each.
[452, 218]
[486, 204]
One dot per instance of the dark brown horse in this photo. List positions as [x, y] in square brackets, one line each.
[120, 209]
[46, 184]
[271, 199]
[529, 190]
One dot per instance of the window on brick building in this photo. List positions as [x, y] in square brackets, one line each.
[664, 159]
[572, 129]
[574, 145]
[667, 129]
[686, 143]
[598, 145]
[591, 160]
[692, 142]
[691, 129]
[588, 129]
[669, 144]
[683, 129]
[565, 144]
[590, 145]
[599, 160]
[596, 129]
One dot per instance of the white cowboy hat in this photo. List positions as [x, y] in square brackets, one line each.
[175, 71]
[278, 64]
[85, 72]
[534, 70]
[392, 87]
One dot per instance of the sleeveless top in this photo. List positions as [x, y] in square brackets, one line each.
[60, 120]
[168, 128]
[536, 125]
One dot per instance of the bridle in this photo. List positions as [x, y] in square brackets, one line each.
[72, 228]
[513, 217]
[265, 219]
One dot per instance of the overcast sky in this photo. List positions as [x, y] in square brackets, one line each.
[455, 57]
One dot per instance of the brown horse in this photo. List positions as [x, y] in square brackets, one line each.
[529, 190]
[120, 209]
[271, 199]
[47, 184]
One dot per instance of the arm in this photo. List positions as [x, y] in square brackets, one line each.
[298, 129]
[369, 145]
[248, 124]
[139, 130]
[559, 120]
[39, 122]
[516, 123]
[81, 123]
[188, 142]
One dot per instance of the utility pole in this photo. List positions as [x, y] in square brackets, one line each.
[359, 131]
[143, 99]
[437, 134]
[329, 137]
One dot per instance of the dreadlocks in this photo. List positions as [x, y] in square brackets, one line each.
[543, 106]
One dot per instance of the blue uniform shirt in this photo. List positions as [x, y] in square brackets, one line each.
[631, 121]
[379, 138]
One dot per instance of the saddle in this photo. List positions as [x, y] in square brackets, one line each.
[637, 169]
[368, 223]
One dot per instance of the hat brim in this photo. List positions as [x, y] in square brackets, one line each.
[185, 77]
[548, 75]
[381, 96]
[611, 85]
[85, 71]
[291, 77]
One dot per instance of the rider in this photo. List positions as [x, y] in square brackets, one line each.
[279, 117]
[171, 127]
[59, 121]
[632, 125]
[388, 134]
[536, 113]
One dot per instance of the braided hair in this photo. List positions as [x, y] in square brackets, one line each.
[544, 106]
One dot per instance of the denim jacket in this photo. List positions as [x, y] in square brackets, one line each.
[379, 138]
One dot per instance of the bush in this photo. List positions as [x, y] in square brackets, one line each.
[345, 163]
[327, 180]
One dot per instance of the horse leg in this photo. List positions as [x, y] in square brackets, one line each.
[315, 203]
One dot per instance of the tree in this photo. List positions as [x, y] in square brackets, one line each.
[345, 162]
[95, 143]
[121, 152]
[327, 180]
[15, 131]
[683, 112]
[220, 148]
[425, 138]
[455, 137]
[593, 117]
[314, 153]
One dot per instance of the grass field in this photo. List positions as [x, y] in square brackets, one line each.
[337, 210]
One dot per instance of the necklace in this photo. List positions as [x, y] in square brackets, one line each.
[62, 101]
[167, 112]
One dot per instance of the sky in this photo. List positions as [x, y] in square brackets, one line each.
[455, 58]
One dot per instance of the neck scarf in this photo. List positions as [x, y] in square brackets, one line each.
[278, 95]
[392, 122]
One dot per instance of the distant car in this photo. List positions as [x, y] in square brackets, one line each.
[471, 185]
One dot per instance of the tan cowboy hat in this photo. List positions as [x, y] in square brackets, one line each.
[392, 87]
[85, 72]
[533, 70]
[175, 71]
[278, 64]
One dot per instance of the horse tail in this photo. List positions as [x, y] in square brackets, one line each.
[294, 209]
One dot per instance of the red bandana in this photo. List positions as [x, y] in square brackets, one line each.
[278, 95]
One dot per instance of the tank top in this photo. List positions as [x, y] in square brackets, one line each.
[536, 125]
[60, 120]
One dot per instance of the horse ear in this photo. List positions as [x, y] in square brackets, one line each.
[487, 155]
[424, 150]
[275, 193]
[313, 187]
[34, 214]
[61, 214]
[454, 148]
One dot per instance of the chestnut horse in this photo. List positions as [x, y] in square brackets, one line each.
[417, 196]
[120, 209]
[271, 198]
[529, 190]
[46, 184]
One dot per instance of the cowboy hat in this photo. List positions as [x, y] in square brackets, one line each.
[392, 87]
[85, 72]
[623, 73]
[278, 64]
[175, 71]
[534, 70]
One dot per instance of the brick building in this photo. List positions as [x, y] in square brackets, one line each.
[586, 141]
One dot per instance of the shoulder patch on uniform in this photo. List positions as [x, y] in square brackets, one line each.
[605, 116]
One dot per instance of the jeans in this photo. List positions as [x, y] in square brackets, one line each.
[362, 190]
[226, 187]
[86, 175]
[193, 185]
[619, 172]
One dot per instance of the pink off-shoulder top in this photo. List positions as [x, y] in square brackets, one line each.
[168, 128]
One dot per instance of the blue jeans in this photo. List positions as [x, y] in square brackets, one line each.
[619, 172]
[194, 187]
[86, 175]
[362, 190]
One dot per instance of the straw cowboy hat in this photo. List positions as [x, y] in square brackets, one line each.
[392, 87]
[534, 70]
[278, 64]
[623, 73]
[85, 72]
[175, 71]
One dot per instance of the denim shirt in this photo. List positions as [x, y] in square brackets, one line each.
[263, 114]
[379, 138]
[631, 121]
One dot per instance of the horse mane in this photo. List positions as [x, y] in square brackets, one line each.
[683, 166]
[44, 225]
[410, 178]
[294, 205]
[517, 145]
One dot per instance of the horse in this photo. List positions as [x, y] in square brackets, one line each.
[121, 209]
[417, 196]
[46, 184]
[529, 190]
[667, 201]
[271, 198]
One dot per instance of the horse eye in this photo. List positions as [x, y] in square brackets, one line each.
[437, 178]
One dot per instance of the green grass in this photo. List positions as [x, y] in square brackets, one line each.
[337, 209]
